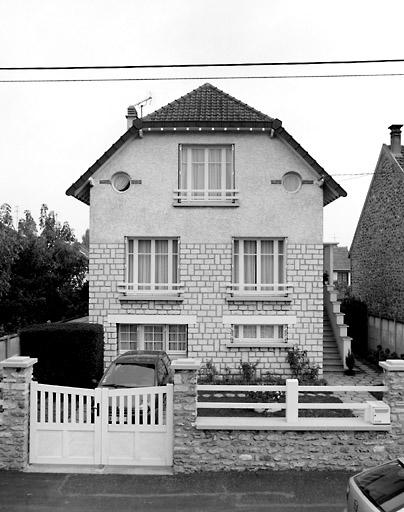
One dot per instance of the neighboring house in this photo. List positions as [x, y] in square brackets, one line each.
[206, 235]
[342, 267]
[377, 250]
[337, 267]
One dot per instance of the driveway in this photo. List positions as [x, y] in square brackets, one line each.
[284, 491]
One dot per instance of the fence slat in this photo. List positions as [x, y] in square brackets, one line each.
[240, 405]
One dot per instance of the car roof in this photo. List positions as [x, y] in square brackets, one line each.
[144, 356]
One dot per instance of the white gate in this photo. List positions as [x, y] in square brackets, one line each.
[125, 427]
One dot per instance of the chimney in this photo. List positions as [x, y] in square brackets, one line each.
[131, 116]
[395, 138]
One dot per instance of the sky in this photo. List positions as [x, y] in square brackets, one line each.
[50, 133]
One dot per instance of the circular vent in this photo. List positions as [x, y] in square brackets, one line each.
[292, 181]
[120, 181]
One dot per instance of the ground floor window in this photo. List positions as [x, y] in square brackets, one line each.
[259, 333]
[171, 338]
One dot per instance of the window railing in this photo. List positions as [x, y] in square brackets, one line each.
[150, 288]
[190, 195]
[259, 288]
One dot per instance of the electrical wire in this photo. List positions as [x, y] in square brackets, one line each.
[204, 65]
[160, 79]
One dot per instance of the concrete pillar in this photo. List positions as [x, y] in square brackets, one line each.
[393, 370]
[16, 374]
[185, 395]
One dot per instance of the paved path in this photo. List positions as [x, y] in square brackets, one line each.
[364, 376]
[284, 491]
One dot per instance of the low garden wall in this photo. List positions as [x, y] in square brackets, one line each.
[217, 450]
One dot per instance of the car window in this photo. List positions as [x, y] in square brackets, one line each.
[130, 375]
[384, 486]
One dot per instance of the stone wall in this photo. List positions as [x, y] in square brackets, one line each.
[238, 450]
[15, 378]
[206, 270]
[377, 252]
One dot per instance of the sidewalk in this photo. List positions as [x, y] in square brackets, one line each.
[285, 491]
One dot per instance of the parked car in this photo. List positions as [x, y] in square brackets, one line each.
[137, 368]
[378, 489]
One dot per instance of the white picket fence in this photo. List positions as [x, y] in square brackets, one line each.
[291, 419]
[126, 426]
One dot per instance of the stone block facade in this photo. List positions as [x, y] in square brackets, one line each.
[206, 271]
[252, 450]
[377, 252]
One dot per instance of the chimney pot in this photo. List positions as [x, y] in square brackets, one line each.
[395, 138]
[131, 115]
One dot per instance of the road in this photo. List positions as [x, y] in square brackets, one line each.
[285, 491]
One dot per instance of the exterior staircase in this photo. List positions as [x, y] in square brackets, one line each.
[331, 357]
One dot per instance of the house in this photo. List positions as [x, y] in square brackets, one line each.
[206, 235]
[377, 250]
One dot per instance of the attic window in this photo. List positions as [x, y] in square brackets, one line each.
[120, 181]
[292, 182]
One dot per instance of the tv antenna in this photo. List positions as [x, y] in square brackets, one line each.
[143, 103]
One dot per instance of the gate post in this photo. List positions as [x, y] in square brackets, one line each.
[185, 395]
[16, 373]
[394, 380]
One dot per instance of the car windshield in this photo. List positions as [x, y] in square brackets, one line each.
[129, 375]
[384, 486]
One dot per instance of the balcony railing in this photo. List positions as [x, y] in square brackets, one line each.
[281, 289]
[151, 288]
[192, 195]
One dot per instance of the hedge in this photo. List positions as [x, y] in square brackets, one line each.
[70, 354]
[356, 316]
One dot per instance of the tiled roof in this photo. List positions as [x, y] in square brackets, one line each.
[207, 103]
[341, 260]
[400, 159]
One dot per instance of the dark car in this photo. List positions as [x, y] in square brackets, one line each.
[378, 489]
[138, 368]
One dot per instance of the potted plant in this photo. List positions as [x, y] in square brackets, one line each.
[350, 362]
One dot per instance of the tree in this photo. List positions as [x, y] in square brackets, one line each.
[46, 274]
[9, 247]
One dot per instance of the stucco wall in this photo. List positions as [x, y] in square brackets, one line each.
[265, 209]
[377, 253]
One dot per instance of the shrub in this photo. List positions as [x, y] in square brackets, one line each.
[300, 365]
[248, 371]
[208, 373]
[68, 354]
[350, 361]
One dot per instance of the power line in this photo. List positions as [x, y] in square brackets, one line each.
[161, 79]
[204, 65]
[354, 174]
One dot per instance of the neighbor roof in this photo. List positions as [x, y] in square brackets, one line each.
[207, 107]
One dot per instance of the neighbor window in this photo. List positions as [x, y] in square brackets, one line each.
[206, 173]
[258, 333]
[170, 338]
[152, 265]
[259, 265]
